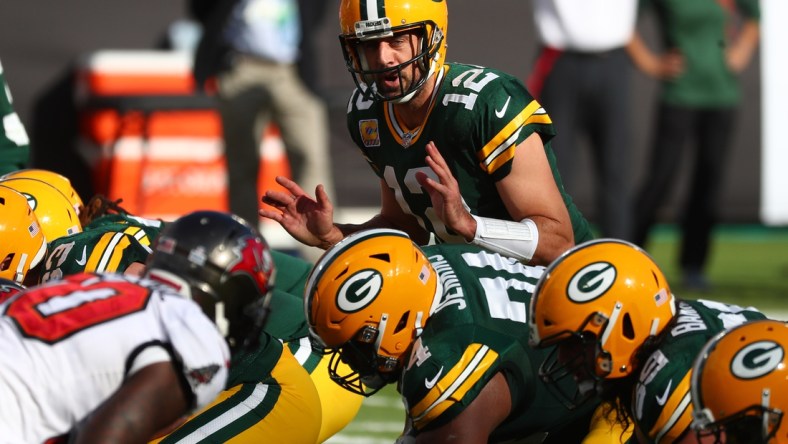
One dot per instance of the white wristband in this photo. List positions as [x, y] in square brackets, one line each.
[513, 239]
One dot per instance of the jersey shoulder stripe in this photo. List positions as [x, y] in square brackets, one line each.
[108, 252]
[501, 148]
[139, 234]
[450, 389]
[676, 415]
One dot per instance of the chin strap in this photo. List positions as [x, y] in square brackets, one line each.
[513, 239]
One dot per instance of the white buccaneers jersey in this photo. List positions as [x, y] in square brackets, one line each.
[66, 347]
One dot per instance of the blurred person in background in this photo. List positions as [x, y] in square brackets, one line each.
[706, 44]
[461, 151]
[251, 48]
[582, 78]
[14, 142]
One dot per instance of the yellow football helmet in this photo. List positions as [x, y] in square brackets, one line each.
[22, 242]
[607, 295]
[363, 20]
[366, 300]
[739, 384]
[53, 210]
[60, 182]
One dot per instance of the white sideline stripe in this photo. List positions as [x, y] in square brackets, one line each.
[143, 62]
[191, 149]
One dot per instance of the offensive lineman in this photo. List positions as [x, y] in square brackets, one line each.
[623, 336]
[448, 324]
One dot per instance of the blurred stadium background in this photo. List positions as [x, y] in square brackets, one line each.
[42, 45]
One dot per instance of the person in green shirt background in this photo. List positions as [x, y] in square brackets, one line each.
[706, 44]
[14, 142]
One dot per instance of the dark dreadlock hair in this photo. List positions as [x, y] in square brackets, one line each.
[99, 205]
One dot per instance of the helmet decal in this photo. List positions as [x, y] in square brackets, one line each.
[254, 258]
[591, 282]
[359, 290]
[757, 359]
[198, 256]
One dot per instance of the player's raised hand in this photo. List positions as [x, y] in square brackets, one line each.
[309, 220]
[445, 195]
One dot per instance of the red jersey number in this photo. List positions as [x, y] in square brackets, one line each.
[53, 313]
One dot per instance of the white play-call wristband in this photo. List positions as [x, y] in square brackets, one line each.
[513, 239]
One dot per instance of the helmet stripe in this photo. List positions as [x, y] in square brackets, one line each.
[372, 9]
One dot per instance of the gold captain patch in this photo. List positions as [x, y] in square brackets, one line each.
[370, 135]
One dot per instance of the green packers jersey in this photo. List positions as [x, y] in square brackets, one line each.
[288, 323]
[291, 273]
[150, 227]
[287, 303]
[661, 399]
[111, 247]
[479, 328]
[255, 365]
[477, 118]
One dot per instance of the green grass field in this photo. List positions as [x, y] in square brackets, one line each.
[749, 266]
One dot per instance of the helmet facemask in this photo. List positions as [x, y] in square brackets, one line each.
[576, 368]
[755, 424]
[371, 371]
[429, 40]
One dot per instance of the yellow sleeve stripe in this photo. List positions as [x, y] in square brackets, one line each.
[676, 415]
[108, 252]
[138, 234]
[501, 148]
[471, 367]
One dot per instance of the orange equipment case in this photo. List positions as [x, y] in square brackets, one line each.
[152, 141]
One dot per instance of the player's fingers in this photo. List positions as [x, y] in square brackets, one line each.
[322, 197]
[290, 185]
[273, 215]
[277, 198]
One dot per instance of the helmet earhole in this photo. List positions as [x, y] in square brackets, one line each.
[403, 322]
[627, 330]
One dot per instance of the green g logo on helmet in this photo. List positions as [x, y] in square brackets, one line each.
[757, 359]
[591, 282]
[359, 290]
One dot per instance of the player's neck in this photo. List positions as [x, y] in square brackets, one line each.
[413, 113]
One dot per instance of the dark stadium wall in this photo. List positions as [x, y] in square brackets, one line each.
[41, 41]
